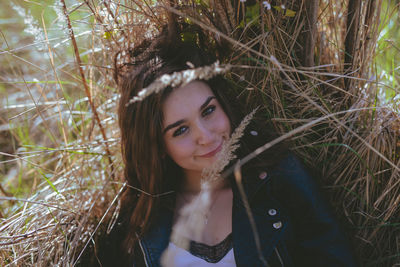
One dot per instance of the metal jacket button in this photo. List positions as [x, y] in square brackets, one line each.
[262, 175]
[254, 133]
[277, 225]
[272, 212]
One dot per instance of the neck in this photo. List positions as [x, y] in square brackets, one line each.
[192, 183]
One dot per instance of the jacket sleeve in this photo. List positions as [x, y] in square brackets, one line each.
[317, 239]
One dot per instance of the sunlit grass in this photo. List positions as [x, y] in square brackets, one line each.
[55, 170]
[387, 59]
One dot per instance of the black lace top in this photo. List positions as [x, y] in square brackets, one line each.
[214, 253]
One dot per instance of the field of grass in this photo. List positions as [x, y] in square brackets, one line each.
[60, 167]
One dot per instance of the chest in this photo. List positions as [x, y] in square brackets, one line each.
[214, 221]
[259, 233]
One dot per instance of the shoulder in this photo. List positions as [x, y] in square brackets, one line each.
[293, 185]
[291, 172]
[289, 184]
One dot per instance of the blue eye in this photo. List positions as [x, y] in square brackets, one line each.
[181, 130]
[208, 110]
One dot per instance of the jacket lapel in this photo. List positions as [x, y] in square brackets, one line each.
[156, 240]
[244, 240]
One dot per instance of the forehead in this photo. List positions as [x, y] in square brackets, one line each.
[185, 99]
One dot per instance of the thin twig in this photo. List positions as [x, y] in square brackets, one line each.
[36, 202]
[87, 90]
[285, 136]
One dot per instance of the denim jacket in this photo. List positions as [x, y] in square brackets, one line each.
[293, 221]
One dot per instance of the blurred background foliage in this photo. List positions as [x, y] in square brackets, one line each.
[46, 123]
[387, 59]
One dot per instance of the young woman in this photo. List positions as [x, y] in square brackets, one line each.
[170, 137]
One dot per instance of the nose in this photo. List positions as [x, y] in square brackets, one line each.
[203, 134]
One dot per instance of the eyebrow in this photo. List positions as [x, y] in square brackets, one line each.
[207, 102]
[175, 124]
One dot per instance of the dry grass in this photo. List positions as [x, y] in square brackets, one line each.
[329, 110]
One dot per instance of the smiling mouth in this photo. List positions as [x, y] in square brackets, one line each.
[212, 153]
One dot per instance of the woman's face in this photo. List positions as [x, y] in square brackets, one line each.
[195, 126]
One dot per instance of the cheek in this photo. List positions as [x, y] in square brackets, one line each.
[223, 123]
[178, 149]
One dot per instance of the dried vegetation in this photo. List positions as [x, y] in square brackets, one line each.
[306, 63]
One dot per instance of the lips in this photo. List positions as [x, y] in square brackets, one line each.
[212, 153]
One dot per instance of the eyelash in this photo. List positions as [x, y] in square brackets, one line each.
[179, 131]
[207, 111]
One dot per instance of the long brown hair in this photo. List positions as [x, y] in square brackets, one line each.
[147, 166]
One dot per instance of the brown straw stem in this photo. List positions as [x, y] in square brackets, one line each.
[93, 107]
